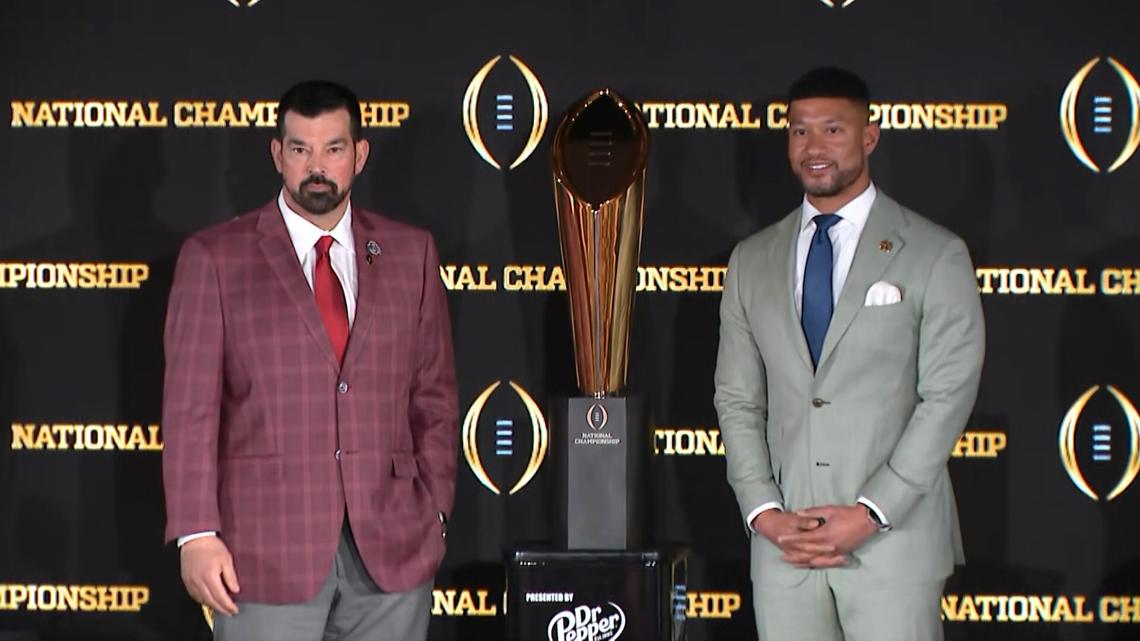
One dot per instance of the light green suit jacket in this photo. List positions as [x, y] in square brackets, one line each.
[893, 391]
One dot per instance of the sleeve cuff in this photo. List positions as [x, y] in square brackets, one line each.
[886, 524]
[182, 540]
[770, 505]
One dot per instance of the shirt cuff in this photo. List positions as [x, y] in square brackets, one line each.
[878, 513]
[770, 505]
[183, 540]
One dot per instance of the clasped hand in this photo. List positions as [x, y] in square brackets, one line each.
[818, 537]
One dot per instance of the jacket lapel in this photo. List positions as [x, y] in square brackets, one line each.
[278, 251]
[785, 265]
[367, 280]
[870, 261]
[374, 280]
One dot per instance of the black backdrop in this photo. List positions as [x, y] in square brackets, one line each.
[979, 141]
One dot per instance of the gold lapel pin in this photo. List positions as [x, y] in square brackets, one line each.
[886, 246]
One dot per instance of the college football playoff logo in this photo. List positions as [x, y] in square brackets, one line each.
[1096, 447]
[499, 435]
[493, 129]
[1104, 122]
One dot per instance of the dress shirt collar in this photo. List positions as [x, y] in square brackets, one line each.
[855, 212]
[305, 234]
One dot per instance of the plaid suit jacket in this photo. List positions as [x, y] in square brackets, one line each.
[255, 408]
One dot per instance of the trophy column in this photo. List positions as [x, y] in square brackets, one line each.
[599, 155]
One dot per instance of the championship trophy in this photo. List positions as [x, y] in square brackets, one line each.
[600, 581]
[599, 153]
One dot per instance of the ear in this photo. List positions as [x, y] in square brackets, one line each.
[275, 152]
[870, 138]
[362, 149]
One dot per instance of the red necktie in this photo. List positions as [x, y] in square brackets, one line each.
[330, 299]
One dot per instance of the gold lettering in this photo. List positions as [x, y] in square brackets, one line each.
[443, 602]
[949, 607]
[969, 611]
[183, 114]
[260, 114]
[777, 116]
[708, 115]
[650, 110]
[22, 113]
[1116, 281]
[22, 436]
[652, 279]
[979, 444]
[452, 602]
[747, 120]
[82, 598]
[45, 117]
[1108, 615]
[60, 433]
[44, 440]
[227, 117]
[728, 118]
[712, 605]
[685, 441]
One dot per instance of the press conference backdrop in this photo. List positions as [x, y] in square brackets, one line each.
[131, 124]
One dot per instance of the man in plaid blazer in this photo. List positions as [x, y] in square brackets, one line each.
[310, 408]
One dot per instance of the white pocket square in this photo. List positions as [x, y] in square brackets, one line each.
[882, 293]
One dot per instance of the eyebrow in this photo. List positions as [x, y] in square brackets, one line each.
[289, 140]
[827, 120]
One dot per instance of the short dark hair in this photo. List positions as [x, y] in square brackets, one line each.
[315, 97]
[830, 82]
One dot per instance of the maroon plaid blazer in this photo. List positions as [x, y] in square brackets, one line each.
[255, 408]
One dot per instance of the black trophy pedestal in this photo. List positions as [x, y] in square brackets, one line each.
[596, 596]
[601, 447]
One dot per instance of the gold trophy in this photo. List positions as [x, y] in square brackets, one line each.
[599, 156]
[600, 151]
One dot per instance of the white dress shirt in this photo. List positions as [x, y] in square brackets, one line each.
[844, 237]
[342, 255]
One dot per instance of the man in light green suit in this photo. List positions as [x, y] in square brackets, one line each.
[851, 344]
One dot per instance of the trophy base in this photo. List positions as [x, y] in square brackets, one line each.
[601, 449]
[639, 596]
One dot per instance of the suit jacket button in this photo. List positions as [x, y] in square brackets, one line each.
[342, 387]
[336, 454]
[817, 402]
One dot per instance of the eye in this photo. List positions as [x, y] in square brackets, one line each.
[297, 150]
[833, 129]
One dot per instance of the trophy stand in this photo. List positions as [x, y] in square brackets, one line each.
[600, 452]
[600, 581]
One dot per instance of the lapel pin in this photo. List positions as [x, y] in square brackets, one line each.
[373, 250]
[886, 246]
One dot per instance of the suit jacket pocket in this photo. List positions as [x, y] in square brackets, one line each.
[405, 493]
[895, 324]
[895, 312]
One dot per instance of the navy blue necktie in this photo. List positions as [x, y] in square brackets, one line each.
[817, 298]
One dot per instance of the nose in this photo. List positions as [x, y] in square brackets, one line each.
[812, 143]
[316, 164]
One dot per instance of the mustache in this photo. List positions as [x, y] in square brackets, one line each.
[317, 179]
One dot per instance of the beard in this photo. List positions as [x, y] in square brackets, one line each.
[833, 184]
[319, 202]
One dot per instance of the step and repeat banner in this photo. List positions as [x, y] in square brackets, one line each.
[131, 124]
